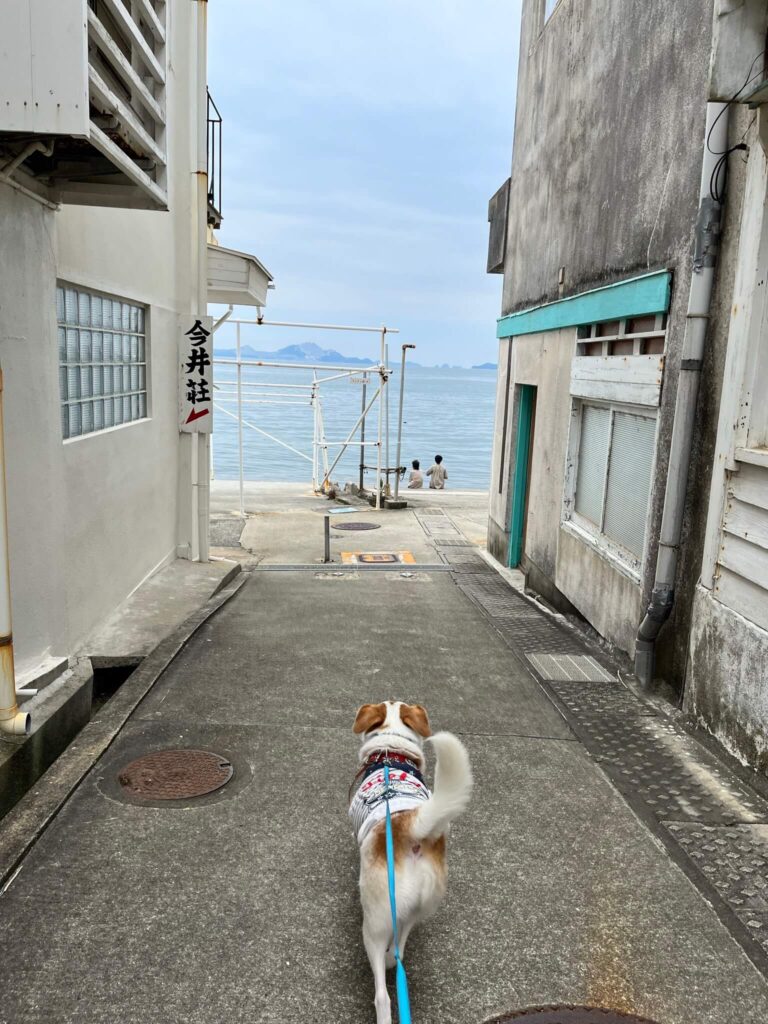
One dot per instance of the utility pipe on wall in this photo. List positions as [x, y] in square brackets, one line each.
[200, 445]
[13, 721]
[697, 319]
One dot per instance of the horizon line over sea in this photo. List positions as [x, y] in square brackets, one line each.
[445, 411]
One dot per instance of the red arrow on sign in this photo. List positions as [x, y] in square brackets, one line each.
[195, 415]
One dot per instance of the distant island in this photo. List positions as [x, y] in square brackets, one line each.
[307, 353]
[311, 353]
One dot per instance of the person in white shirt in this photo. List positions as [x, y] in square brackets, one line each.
[437, 474]
[416, 479]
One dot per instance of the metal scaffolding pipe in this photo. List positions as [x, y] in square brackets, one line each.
[258, 430]
[400, 420]
[320, 327]
[362, 434]
[297, 366]
[353, 431]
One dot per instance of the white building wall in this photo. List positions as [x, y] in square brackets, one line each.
[89, 519]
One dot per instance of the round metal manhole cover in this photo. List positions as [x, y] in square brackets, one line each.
[356, 526]
[568, 1015]
[175, 774]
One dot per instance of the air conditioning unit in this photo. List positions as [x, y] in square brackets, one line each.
[82, 100]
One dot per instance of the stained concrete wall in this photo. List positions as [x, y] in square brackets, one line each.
[728, 694]
[608, 135]
[607, 156]
[92, 517]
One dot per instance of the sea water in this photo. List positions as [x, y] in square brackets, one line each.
[446, 411]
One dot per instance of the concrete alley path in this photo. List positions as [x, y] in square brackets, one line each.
[242, 907]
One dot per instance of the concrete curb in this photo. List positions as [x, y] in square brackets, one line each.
[26, 822]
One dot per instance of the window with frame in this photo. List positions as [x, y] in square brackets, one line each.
[616, 379]
[616, 446]
[102, 361]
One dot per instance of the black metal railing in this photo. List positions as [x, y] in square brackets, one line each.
[214, 163]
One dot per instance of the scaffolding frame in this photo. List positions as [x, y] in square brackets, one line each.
[243, 393]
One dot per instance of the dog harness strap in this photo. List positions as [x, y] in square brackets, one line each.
[401, 981]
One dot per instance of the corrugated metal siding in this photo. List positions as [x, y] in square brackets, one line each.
[742, 572]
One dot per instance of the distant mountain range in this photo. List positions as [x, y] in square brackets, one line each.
[307, 353]
[311, 353]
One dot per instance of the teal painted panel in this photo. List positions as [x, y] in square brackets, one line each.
[520, 482]
[639, 296]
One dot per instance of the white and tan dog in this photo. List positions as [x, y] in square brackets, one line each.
[393, 735]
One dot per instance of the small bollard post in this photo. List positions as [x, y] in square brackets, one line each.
[327, 538]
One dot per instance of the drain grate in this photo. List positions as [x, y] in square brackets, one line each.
[175, 774]
[356, 526]
[574, 668]
[430, 512]
[735, 861]
[569, 1015]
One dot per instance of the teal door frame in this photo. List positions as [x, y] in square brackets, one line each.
[525, 408]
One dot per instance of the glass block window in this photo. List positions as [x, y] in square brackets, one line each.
[613, 475]
[102, 361]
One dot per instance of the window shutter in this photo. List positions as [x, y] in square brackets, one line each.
[629, 480]
[593, 457]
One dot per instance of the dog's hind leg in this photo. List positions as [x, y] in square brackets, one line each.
[405, 931]
[376, 948]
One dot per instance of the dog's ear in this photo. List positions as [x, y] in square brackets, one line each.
[415, 717]
[369, 716]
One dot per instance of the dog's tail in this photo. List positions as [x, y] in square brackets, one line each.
[453, 786]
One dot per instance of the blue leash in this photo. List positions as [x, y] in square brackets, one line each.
[403, 1002]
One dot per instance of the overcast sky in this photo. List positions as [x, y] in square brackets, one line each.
[362, 141]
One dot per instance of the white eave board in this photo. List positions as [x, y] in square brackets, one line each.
[236, 278]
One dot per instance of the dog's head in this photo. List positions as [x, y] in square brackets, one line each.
[392, 725]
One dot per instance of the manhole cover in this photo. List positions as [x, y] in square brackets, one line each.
[175, 774]
[568, 1015]
[356, 526]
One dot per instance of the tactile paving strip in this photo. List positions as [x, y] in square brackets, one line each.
[655, 764]
[735, 861]
[575, 668]
[714, 823]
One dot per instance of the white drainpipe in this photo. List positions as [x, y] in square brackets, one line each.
[12, 720]
[697, 321]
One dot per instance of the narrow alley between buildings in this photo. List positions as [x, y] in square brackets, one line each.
[586, 871]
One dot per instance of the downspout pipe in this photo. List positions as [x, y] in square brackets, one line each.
[12, 721]
[705, 253]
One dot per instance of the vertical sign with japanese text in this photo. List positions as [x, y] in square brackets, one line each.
[196, 380]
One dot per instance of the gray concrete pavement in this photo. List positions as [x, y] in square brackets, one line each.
[242, 907]
[284, 524]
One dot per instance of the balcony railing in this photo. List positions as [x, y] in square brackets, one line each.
[214, 164]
